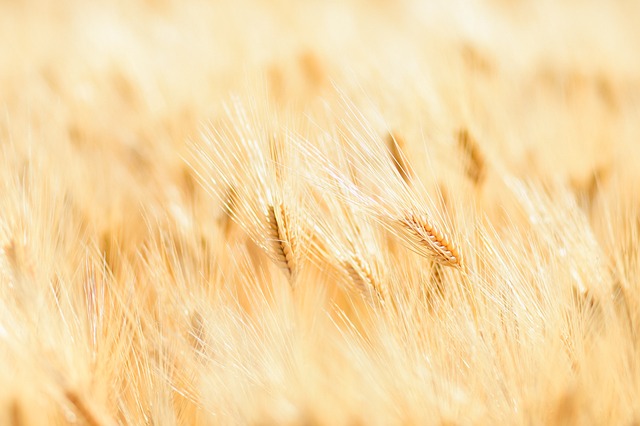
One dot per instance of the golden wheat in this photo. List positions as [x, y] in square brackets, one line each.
[450, 188]
[436, 244]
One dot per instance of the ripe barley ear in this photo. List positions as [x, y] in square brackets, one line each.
[281, 239]
[365, 281]
[429, 241]
[475, 163]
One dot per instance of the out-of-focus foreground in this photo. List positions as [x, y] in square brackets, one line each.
[317, 212]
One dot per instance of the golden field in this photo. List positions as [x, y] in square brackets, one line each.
[319, 212]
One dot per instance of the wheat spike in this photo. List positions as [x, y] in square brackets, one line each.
[475, 163]
[281, 240]
[364, 279]
[430, 241]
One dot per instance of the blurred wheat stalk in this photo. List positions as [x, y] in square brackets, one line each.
[319, 212]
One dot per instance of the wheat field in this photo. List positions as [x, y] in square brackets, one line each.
[272, 212]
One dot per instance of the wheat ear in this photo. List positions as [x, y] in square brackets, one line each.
[475, 166]
[365, 280]
[429, 241]
[281, 240]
